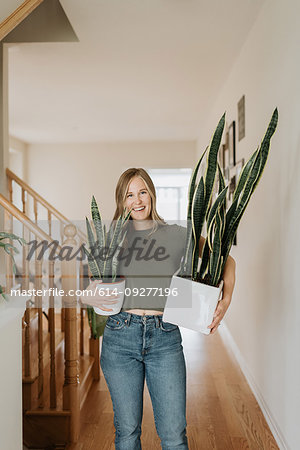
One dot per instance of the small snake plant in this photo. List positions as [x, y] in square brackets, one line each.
[104, 248]
[221, 224]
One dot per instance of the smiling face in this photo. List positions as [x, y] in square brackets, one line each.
[138, 198]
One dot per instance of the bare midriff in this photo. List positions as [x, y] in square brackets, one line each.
[144, 312]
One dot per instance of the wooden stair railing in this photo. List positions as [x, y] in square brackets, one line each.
[17, 16]
[26, 191]
[38, 201]
[57, 373]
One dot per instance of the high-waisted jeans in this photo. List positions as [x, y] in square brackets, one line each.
[136, 348]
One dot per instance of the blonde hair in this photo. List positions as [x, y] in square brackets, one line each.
[122, 188]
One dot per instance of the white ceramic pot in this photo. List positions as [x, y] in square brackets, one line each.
[117, 287]
[191, 305]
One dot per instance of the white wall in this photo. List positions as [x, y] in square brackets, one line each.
[11, 373]
[264, 317]
[67, 175]
[17, 160]
[17, 163]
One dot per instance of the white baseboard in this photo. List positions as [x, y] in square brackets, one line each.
[234, 350]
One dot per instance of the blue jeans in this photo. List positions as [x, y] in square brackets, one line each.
[136, 348]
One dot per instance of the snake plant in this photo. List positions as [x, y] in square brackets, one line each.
[221, 224]
[104, 248]
[9, 248]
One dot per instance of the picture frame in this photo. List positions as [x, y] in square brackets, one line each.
[237, 171]
[241, 118]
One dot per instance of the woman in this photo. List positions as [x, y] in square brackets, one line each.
[137, 344]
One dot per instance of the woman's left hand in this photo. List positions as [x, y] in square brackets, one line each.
[220, 311]
[223, 304]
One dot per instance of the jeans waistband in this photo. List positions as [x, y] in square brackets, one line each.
[130, 317]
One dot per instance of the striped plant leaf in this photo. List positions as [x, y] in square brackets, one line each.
[112, 247]
[214, 236]
[115, 236]
[125, 217]
[223, 217]
[229, 215]
[216, 252]
[237, 217]
[221, 179]
[115, 260]
[193, 185]
[186, 261]
[93, 246]
[109, 234]
[213, 210]
[197, 223]
[224, 204]
[185, 267]
[94, 268]
[99, 252]
[212, 162]
[210, 236]
[210, 175]
[244, 176]
[266, 142]
[244, 199]
[104, 232]
[219, 273]
[97, 223]
[90, 235]
[204, 261]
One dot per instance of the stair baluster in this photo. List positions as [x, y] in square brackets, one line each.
[71, 384]
[51, 316]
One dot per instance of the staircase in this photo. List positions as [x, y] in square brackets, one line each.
[60, 359]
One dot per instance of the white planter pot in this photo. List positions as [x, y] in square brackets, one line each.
[119, 287]
[191, 305]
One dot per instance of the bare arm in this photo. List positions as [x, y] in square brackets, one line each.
[229, 282]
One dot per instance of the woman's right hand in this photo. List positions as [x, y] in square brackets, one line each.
[93, 297]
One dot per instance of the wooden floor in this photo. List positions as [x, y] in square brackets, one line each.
[222, 413]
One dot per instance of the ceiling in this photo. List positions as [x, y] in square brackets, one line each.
[142, 70]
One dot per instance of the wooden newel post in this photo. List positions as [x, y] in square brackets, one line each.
[71, 383]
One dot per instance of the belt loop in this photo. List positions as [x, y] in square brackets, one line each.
[128, 319]
[156, 318]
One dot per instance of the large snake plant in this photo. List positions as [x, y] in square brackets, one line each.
[104, 248]
[221, 224]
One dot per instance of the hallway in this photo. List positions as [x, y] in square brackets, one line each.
[222, 413]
